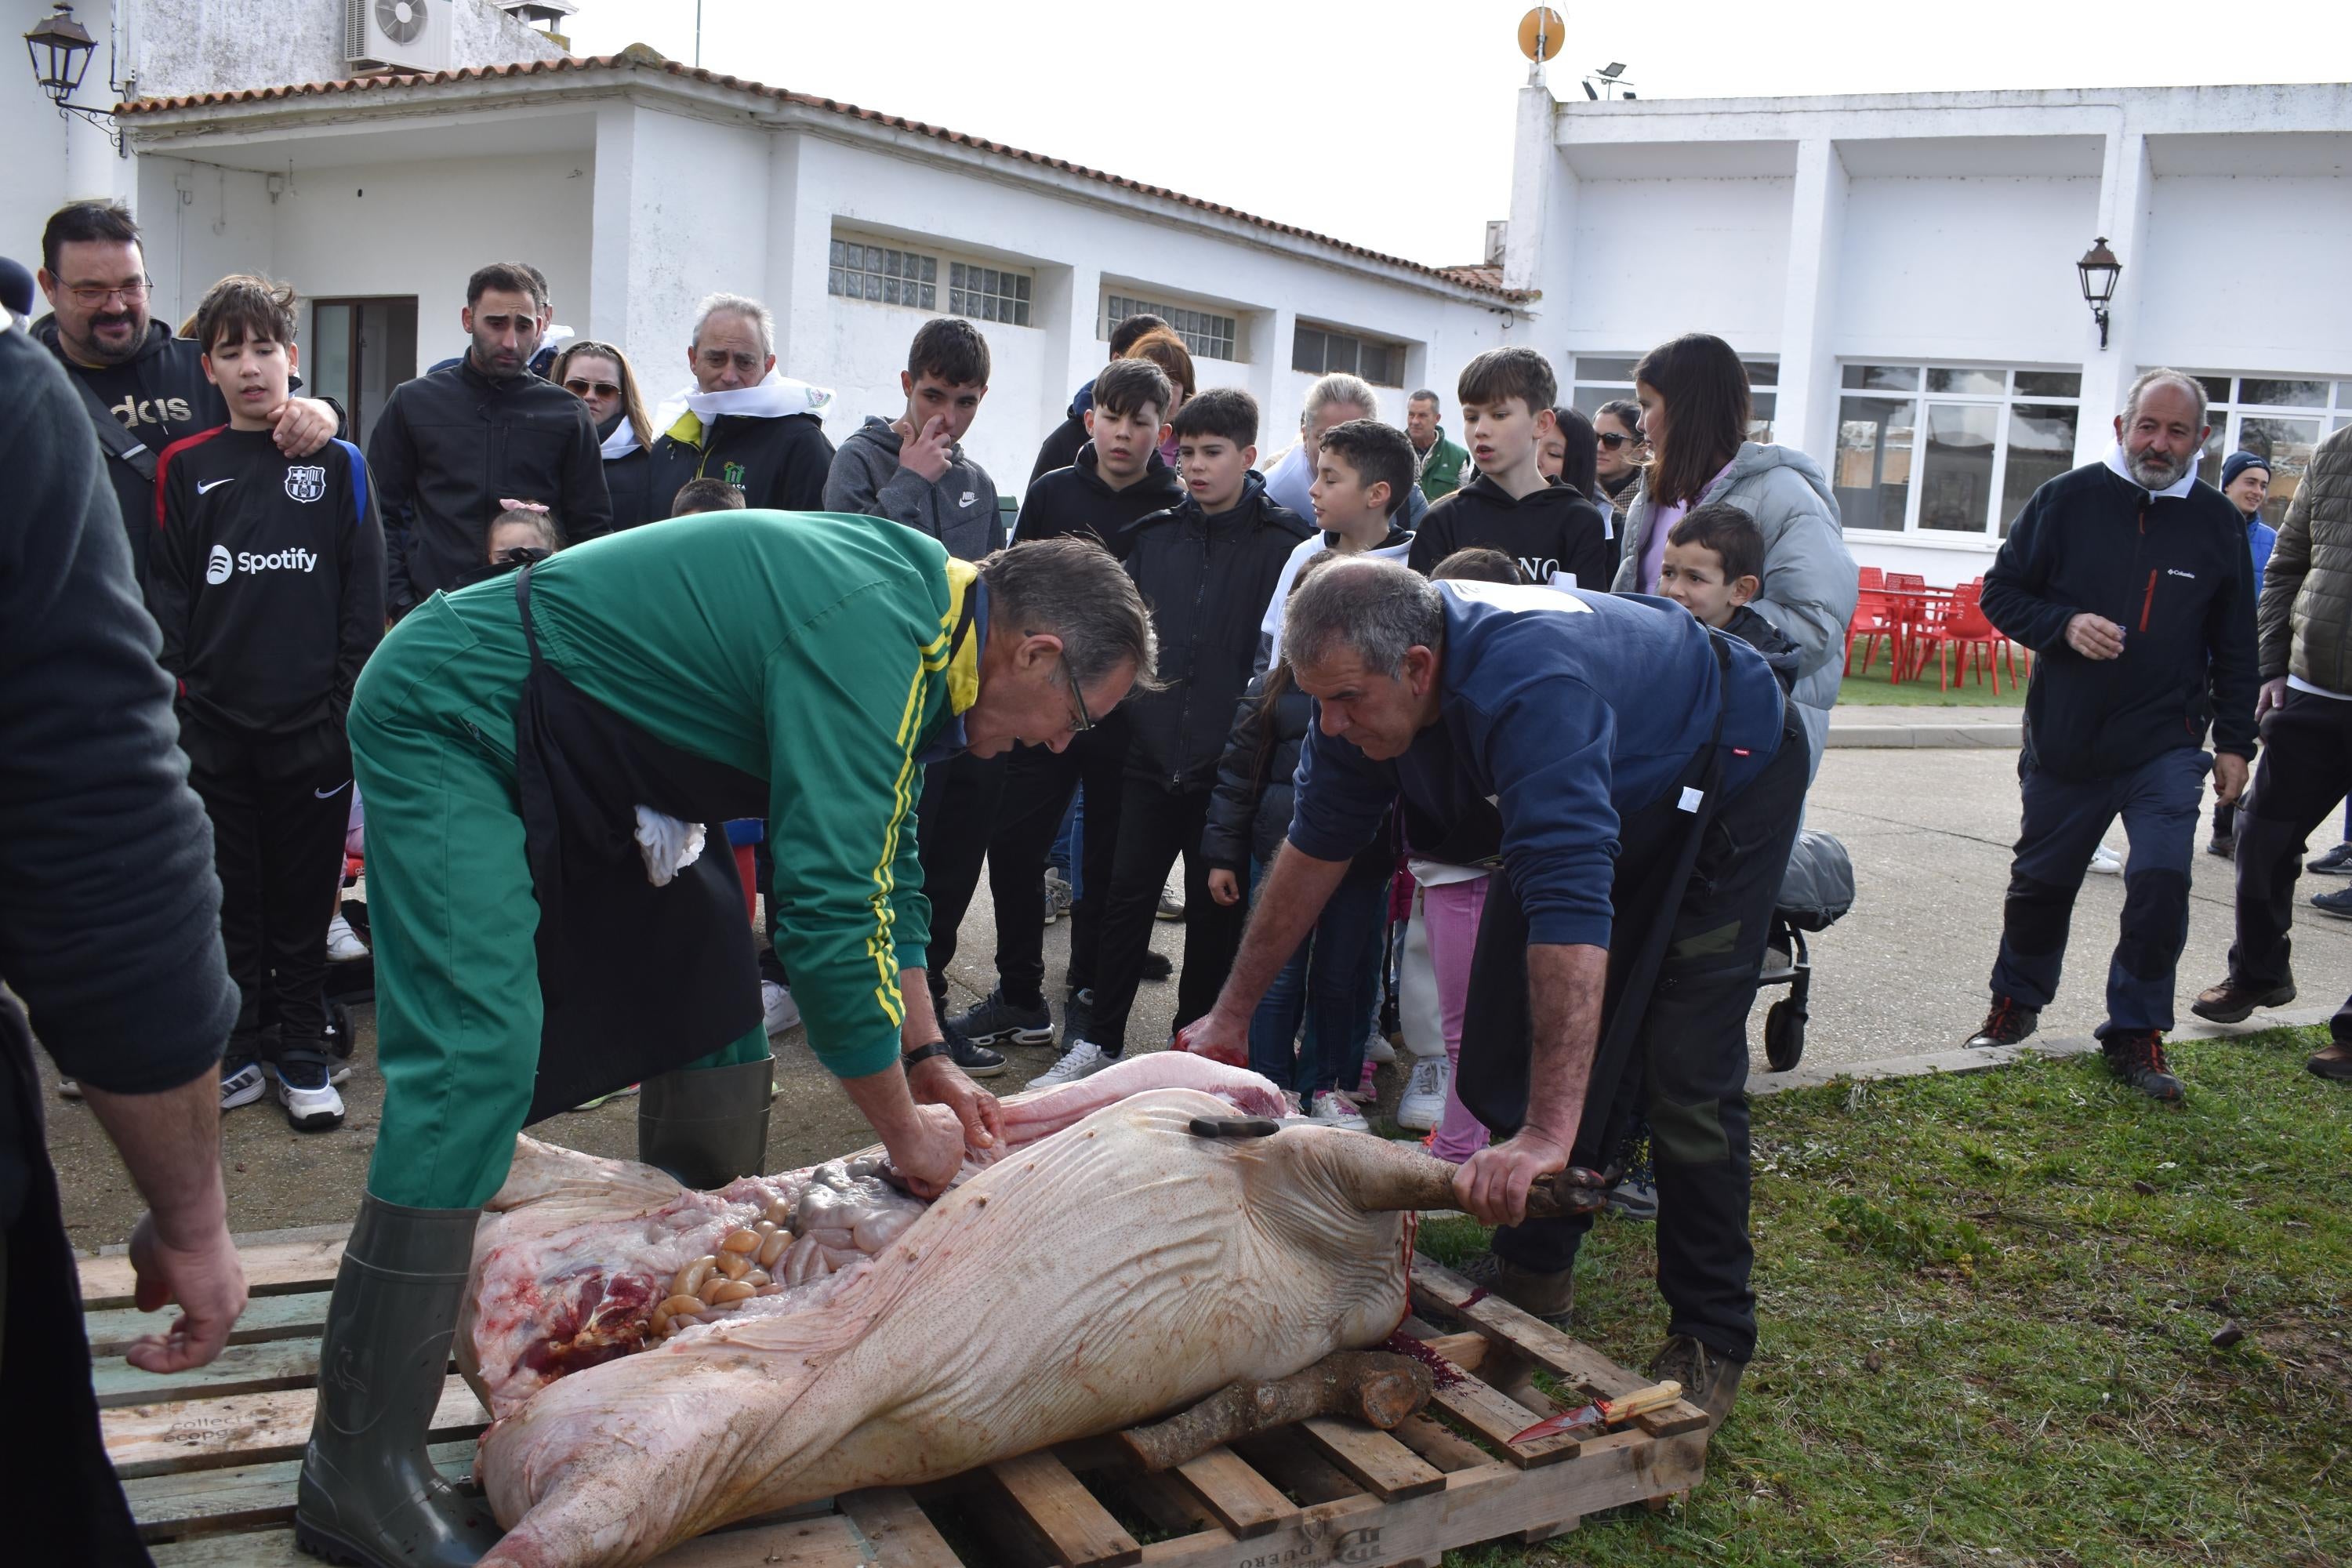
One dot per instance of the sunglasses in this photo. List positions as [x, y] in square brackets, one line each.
[1611, 440]
[579, 386]
[1083, 721]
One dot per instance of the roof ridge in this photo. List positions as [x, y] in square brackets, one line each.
[640, 57]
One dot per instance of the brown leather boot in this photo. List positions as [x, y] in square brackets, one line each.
[1710, 1379]
[1545, 1296]
[2231, 1002]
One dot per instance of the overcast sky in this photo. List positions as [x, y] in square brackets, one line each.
[1388, 125]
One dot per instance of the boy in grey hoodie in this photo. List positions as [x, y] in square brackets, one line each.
[913, 470]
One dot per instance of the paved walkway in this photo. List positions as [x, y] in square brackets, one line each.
[1925, 726]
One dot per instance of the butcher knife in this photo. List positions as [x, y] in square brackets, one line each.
[1602, 1413]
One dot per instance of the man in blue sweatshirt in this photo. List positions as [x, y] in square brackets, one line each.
[2134, 585]
[1639, 779]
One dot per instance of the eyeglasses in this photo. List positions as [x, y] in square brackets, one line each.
[1083, 721]
[1611, 440]
[581, 387]
[97, 296]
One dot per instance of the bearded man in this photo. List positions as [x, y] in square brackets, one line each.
[2133, 583]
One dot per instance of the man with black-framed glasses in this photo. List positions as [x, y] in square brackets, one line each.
[143, 387]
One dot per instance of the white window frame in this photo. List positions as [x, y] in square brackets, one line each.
[945, 265]
[1915, 489]
[2228, 417]
[1611, 389]
[1197, 324]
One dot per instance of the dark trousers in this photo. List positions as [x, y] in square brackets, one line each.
[1690, 1053]
[278, 810]
[2064, 821]
[1154, 827]
[2306, 761]
[1331, 983]
[1038, 784]
[952, 822]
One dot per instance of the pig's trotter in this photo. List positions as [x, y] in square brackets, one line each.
[1372, 1386]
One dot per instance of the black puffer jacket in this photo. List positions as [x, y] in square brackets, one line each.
[1207, 580]
[1249, 813]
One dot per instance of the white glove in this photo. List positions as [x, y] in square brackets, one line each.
[666, 845]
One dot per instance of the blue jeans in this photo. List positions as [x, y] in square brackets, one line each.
[1332, 980]
[1070, 851]
[2064, 821]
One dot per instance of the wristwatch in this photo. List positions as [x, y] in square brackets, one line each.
[923, 1054]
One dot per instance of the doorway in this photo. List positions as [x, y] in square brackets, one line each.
[360, 350]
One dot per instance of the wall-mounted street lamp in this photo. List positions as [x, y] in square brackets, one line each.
[62, 50]
[2099, 270]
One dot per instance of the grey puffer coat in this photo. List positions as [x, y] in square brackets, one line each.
[1810, 581]
[2304, 624]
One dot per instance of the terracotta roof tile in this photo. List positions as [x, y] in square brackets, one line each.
[1481, 279]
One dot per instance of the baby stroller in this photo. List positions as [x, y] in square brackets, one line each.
[1814, 896]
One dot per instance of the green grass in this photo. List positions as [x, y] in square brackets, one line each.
[1875, 690]
[1982, 1343]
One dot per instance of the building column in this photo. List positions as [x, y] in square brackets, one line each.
[2126, 185]
[800, 254]
[1272, 335]
[609, 239]
[1805, 411]
[1529, 253]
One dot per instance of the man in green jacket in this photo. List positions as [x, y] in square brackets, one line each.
[827, 657]
[1437, 462]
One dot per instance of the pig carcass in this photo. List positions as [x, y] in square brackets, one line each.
[1106, 1266]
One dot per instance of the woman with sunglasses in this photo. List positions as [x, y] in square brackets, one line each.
[598, 375]
[1619, 456]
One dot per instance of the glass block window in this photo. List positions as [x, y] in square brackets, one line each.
[2282, 418]
[856, 270]
[1321, 351]
[1949, 448]
[1205, 333]
[988, 294]
[1604, 378]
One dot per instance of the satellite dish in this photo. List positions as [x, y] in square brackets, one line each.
[1541, 33]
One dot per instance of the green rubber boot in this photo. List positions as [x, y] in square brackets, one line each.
[369, 1494]
[707, 1126]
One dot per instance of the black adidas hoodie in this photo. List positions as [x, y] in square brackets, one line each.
[1076, 500]
[1554, 533]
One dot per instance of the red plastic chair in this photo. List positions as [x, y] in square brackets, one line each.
[1873, 618]
[1966, 627]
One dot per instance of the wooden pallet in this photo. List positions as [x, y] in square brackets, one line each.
[209, 1458]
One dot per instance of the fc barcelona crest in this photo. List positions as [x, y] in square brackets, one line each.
[305, 483]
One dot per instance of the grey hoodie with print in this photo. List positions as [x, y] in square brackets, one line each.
[960, 510]
[1810, 581]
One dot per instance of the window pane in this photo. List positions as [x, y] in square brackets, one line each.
[1760, 409]
[2041, 446]
[1610, 369]
[2344, 394]
[1306, 350]
[1874, 462]
[1989, 382]
[1761, 372]
[2049, 383]
[1882, 377]
[2217, 388]
[2217, 441]
[2284, 394]
[1955, 471]
[2287, 444]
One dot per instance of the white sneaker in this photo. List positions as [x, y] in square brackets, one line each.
[343, 943]
[68, 1089]
[1333, 1108]
[1083, 1059]
[2105, 862]
[310, 1098]
[781, 1011]
[1377, 1048]
[242, 1086]
[1424, 1105]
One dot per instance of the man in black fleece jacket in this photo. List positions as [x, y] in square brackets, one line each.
[2134, 585]
[110, 931]
[1206, 567]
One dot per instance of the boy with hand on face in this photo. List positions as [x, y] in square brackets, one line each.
[1119, 477]
[1714, 564]
[1206, 566]
[1555, 535]
[267, 580]
[1362, 473]
[913, 469]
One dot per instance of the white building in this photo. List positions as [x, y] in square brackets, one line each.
[1900, 273]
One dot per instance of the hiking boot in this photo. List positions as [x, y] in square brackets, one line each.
[1083, 1059]
[2231, 1002]
[993, 1021]
[2336, 862]
[1710, 1379]
[1422, 1105]
[2333, 1062]
[2009, 1022]
[976, 1061]
[370, 1494]
[707, 1126]
[1550, 1297]
[2137, 1057]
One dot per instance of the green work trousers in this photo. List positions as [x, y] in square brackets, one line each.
[452, 915]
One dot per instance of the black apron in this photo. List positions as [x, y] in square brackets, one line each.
[636, 980]
[1657, 849]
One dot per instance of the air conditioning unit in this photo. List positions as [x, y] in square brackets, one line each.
[399, 34]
